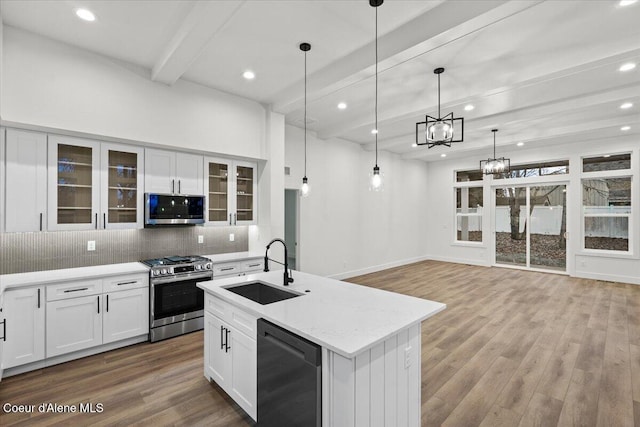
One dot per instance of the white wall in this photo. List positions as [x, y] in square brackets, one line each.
[623, 268]
[55, 85]
[345, 229]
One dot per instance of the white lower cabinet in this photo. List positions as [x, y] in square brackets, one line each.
[231, 358]
[24, 316]
[126, 315]
[73, 324]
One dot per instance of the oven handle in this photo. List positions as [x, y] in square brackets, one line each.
[191, 276]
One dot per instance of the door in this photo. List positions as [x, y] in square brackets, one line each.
[126, 314]
[218, 189]
[73, 324]
[291, 226]
[122, 198]
[24, 314]
[530, 224]
[244, 384]
[26, 185]
[174, 301]
[159, 171]
[74, 182]
[189, 176]
[246, 185]
[217, 360]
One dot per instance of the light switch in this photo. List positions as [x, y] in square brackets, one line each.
[91, 245]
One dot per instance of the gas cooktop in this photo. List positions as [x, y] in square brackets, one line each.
[175, 260]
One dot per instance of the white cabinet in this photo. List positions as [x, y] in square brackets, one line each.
[74, 179]
[73, 324]
[24, 314]
[126, 315]
[26, 181]
[89, 313]
[238, 268]
[231, 190]
[122, 191]
[168, 172]
[231, 355]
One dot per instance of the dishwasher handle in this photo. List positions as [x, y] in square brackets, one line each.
[310, 351]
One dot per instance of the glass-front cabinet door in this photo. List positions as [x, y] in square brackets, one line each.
[245, 193]
[231, 192]
[73, 183]
[122, 197]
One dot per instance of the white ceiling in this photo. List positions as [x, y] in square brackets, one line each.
[543, 72]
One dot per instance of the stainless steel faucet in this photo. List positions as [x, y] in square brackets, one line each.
[288, 278]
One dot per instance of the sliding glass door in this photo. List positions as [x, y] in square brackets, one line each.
[530, 226]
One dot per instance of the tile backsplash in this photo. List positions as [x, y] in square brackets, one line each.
[23, 252]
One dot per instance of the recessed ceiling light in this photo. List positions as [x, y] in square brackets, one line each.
[625, 128]
[520, 144]
[468, 107]
[342, 106]
[374, 131]
[85, 15]
[606, 156]
[627, 2]
[626, 105]
[414, 145]
[627, 67]
[443, 155]
[249, 75]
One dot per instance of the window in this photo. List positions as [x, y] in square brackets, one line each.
[606, 163]
[470, 175]
[560, 167]
[469, 202]
[607, 213]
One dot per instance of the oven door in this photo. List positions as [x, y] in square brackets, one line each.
[175, 301]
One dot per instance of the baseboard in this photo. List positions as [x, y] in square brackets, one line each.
[460, 261]
[376, 268]
[608, 277]
[56, 360]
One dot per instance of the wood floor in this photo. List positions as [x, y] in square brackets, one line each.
[513, 348]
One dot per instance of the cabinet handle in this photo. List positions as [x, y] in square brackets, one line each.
[98, 304]
[254, 265]
[128, 283]
[38, 297]
[40, 221]
[235, 219]
[68, 290]
[221, 337]
[179, 186]
[104, 221]
[96, 220]
[107, 303]
[227, 268]
[173, 186]
[230, 219]
[226, 341]
[4, 330]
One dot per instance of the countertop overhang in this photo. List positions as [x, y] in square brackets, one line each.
[343, 317]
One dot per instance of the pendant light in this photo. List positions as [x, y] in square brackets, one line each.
[375, 178]
[495, 165]
[441, 130]
[304, 188]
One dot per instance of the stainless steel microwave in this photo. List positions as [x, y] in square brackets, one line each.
[173, 209]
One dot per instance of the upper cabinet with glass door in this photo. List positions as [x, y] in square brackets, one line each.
[74, 178]
[122, 195]
[230, 188]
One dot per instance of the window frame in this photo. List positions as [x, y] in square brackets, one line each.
[456, 215]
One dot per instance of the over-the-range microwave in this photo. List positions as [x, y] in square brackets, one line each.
[173, 209]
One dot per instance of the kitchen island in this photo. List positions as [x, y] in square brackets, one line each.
[370, 339]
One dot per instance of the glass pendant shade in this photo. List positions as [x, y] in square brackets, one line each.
[440, 130]
[495, 165]
[304, 188]
[375, 179]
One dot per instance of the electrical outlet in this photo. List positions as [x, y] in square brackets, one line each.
[407, 357]
[200, 239]
[91, 245]
[232, 237]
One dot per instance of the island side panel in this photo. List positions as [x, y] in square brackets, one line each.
[379, 387]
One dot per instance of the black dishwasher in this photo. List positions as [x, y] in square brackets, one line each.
[289, 378]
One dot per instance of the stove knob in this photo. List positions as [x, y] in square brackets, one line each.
[163, 271]
[198, 267]
[208, 266]
[154, 272]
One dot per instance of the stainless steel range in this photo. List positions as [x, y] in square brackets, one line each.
[176, 303]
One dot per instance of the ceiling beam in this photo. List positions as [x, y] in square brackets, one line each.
[202, 23]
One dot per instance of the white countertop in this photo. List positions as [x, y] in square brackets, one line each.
[234, 256]
[343, 317]
[32, 278]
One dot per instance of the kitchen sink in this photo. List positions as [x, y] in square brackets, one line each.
[261, 293]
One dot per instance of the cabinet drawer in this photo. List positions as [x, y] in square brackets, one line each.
[228, 269]
[121, 283]
[74, 289]
[234, 316]
[253, 265]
